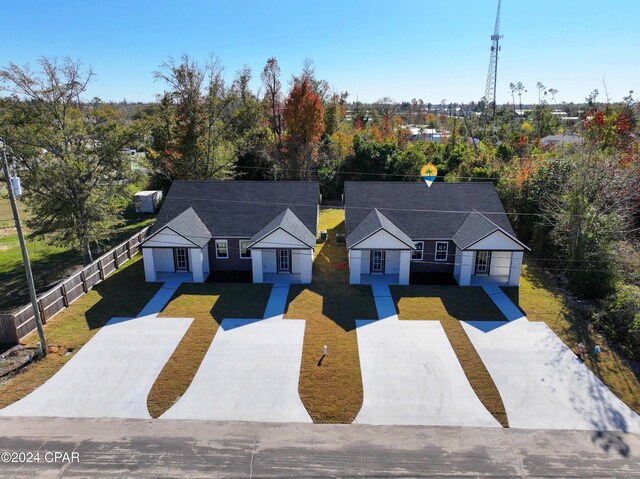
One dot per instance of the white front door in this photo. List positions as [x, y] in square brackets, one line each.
[483, 262]
[284, 261]
[377, 261]
[181, 258]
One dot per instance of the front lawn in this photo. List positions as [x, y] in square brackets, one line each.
[450, 305]
[331, 387]
[208, 304]
[541, 300]
[122, 294]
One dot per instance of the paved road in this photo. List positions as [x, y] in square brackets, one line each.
[152, 448]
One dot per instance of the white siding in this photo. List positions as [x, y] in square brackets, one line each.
[381, 240]
[354, 266]
[296, 257]
[365, 261]
[496, 241]
[167, 238]
[269, 261]
[500, 263]
[205, 261]
[279, 239]
[163, 260]
[392, 262]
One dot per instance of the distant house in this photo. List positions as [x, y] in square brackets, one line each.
[565, 139]
[264, 228]
[423, 133]
[402, 229]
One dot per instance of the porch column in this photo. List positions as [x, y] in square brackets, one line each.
[457, 264]
[149, 267]
[256, 265]
[306, 265]
[515, 267]
[355, 267]
[405, 267]
[466, 268]
[195, 257]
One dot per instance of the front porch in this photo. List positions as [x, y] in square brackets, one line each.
[379, 279]
[501, 280]
[280, 278]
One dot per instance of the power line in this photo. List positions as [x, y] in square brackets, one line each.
[384, 208]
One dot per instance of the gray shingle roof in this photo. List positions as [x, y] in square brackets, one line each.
[421, 212]
[189, 225]
[290, 223]
[372, 223]
[475, 227]
[239, 209]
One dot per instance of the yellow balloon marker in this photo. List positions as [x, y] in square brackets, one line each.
[429, 173]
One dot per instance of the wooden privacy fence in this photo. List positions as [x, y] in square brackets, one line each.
[15, 326]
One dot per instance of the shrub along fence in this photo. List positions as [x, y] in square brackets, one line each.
[15, 326]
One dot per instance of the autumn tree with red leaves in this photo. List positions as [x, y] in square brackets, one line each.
[304, 123]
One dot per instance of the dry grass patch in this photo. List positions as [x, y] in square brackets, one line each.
[541, 300]
[450, 305]
[331, 387]
[208, 304]
[75, 326]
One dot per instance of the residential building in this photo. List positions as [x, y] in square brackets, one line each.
[266, 229]
[406, 229]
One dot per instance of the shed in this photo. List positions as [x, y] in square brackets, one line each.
[147, 201]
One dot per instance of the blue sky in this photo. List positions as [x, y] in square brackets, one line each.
[425, 49]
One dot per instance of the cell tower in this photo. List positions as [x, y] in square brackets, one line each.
[492, 75]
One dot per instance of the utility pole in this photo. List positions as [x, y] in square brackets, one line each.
[23, 247]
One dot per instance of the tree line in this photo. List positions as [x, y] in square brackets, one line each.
[576, 205]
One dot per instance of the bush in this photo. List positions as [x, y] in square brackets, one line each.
[619, 319]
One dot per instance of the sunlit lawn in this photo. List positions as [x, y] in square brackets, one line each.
[331, 389]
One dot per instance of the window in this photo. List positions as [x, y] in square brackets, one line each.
[417, 254]
[222, 249]
[442, 250]
[245, 252]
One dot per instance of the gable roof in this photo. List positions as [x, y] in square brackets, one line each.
[188, 225]
[289, 222]
[475, 228]
[240, 209]
[372, 223]
[421, 213]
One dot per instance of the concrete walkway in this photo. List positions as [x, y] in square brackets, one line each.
[502, 301]
[112, 374]
[250, 372]
[277, 302]
[410, 373]
[542, 382]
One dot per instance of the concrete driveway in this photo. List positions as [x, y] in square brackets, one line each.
[250, 372]
[542, 382]
[111, 375]
[411, 376]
